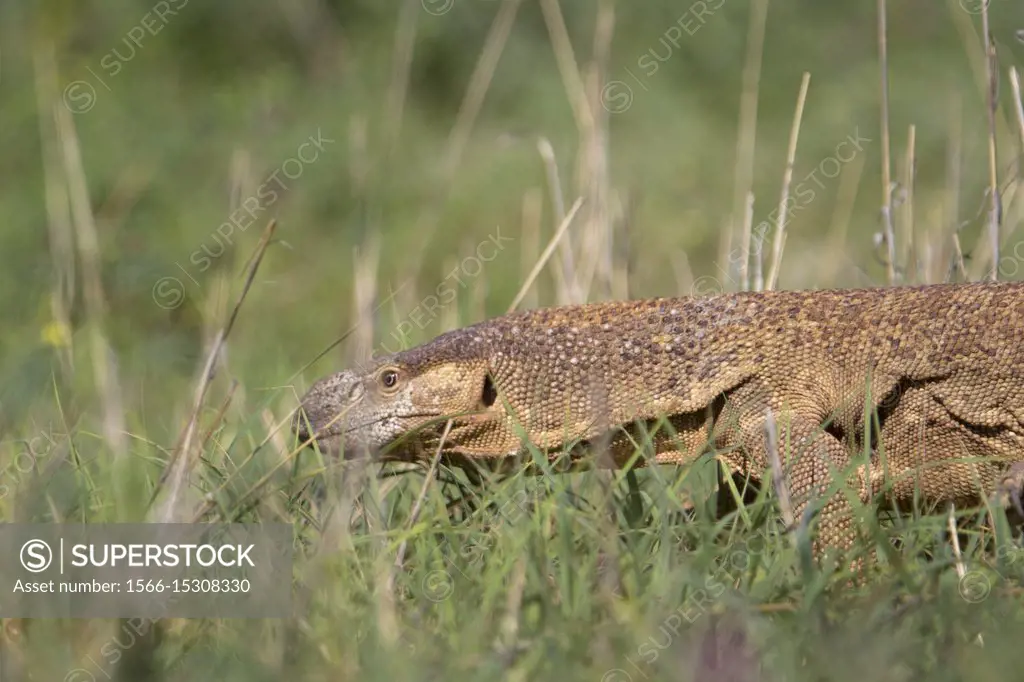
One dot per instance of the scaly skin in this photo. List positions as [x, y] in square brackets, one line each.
[941, 367]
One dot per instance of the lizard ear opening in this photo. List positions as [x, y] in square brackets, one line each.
[489, 394]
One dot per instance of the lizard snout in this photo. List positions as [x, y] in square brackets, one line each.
[322, 407]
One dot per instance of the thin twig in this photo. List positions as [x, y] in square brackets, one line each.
[787, 178]
[883, 60]
[954, 540]
[546, 255]
[87, 239]
[597, 231]
[509, 627]
[565, 269]
[909, 173]
[417, 506]
[748, 225]
[566, 61]
[219, 417]
[745, 143]
[61, 232]
[401, 66]
[992, 81]
[210, 502]
[954, 165]
[1018, 103]
[778, 476]
[181, 464]
[533, 209]
[469, 108]
[479, 83]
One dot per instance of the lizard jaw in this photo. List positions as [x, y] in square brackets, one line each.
[374, 437]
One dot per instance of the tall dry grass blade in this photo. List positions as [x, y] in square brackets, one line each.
[469, 108]
[584, 115]
[992, 99]
[479, 83]
[276, 437]
[976, 53]
[175, 477]
[745, 239]
[787, 179]
[682, 273]
[954, 168]
[322, 354]
[909, 255]
[532, 214]
[566, 281]
[888, 234]
[450, 313]
[725, 252]
[401, 67]
[417, 507]
[218, 418]
[386, 615]
[58, 213]
[210, 501]
[103, 358]
[743, 171]
[539, 265]
[758, 260]
[1013, 219]
[566, 61]
[778, 475]
[508, 631]
[547, 155]
[624, 265]
[1018, 104]
[365, 264]
[961, 568]
[477, 309]
[954, 540]
[597, 230]
[359, 160]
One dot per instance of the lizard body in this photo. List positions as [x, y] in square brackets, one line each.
[938, 370]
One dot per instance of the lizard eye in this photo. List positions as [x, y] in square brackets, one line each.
[388, 378]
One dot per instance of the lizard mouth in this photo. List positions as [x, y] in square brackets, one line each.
[371, 422]
[331, 440]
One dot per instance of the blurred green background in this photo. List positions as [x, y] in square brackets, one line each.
[178, 127]
[398, 143]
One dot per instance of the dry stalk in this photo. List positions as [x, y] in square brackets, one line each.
[787, 178]
[888, 233]
[176, 474]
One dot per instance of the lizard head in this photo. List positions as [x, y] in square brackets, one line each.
[397, 408]
[532, 378]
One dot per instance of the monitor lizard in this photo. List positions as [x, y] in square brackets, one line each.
[937, 369]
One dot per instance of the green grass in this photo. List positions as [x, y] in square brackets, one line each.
[534, 577]
[546, 576]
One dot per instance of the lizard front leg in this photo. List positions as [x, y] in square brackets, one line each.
[810, 459]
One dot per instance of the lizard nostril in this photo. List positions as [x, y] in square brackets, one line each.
[355, 391]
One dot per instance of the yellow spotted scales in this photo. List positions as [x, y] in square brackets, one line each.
[939, 371]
